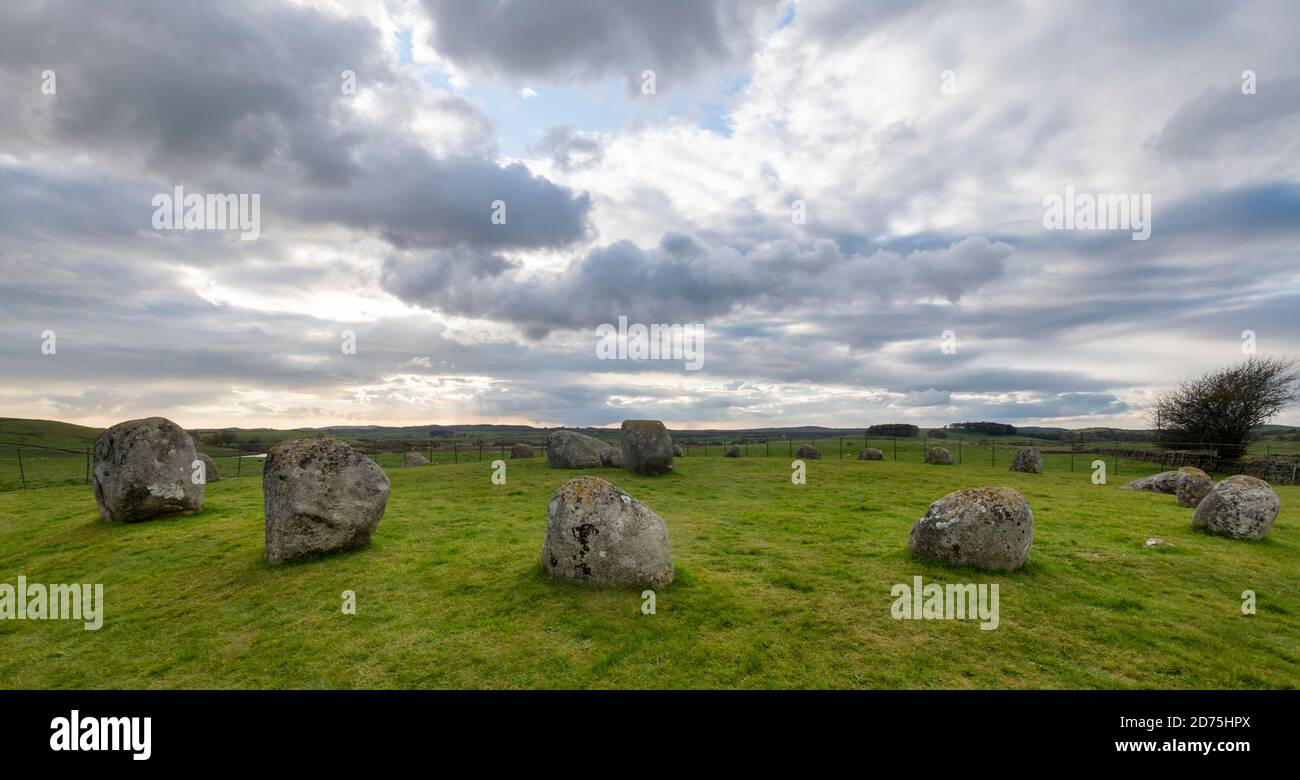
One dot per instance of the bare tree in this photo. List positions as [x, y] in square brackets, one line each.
[1223, 406]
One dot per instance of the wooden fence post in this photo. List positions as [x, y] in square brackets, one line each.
[22, 475]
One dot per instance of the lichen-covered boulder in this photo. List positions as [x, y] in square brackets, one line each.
[210, 472]
[145, 469]
[414, 459]
[521, 451]
[1027, 460]
[732, 452]
[647, 447]
[612, 457]
[573, 450]
[678, 451]
[1193, 487]
[320, 495]
[1164, 482]
[1239, 507]
[808, 452]
[870, 453]
[938, 456]
[596, 534]
[990, 528]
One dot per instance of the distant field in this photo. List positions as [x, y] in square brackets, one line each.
[43, 467]
[777, 586]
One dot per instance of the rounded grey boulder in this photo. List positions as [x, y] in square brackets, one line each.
[612, 457]
[210, 473]
[808, 452]
[1239, 507]
[573, 450]
[732, 452]
[145, 469]
[647, 447]
[678, 451]
[521, 451]
[1027, 460]
[990, 528]
[870, 453]
[596, 534]
[414, 459]
[320, 495]
[1193, 487]
[1164, 482]
[938, 456]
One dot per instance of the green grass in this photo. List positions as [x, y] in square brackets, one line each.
[777, 586]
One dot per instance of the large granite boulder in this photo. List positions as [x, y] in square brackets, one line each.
[320, 495]
[210, 472]
[1193, 487]
[144, 469]
[647, 447]
[597, 534]
[938, 456]
[808, 452]
[732, 452]
[612, 457]
[414, 459]
[521, 451]
[1027, 460]
[1239, 507]
[990, 528]
[870, 453]
[1164, 482]
[573, 450]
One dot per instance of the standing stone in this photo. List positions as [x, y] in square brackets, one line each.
[612, 457]
[1027, 460]
[733, 451]
[521, 451]
[1193, 487]
[647, 447]
[1239, 507]
[573, 450]
[320, 495]
[870, 453]
[991, 528]
[414, 459]
[144, 469]
[808, 452]
[597, 534]
[938, 456]
[210, 473]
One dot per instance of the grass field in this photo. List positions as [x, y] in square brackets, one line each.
[777, 586]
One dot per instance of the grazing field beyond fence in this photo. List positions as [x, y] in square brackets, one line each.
[28, 465]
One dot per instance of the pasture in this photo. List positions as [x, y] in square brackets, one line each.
[777, 585]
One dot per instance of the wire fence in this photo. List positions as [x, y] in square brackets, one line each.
[26, 466]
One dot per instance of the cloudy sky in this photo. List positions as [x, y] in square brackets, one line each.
[917, 140]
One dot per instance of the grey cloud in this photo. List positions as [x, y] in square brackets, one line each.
[566, 41]
[1219, 116]
[246, 97]
[929, 397]
[568, 149]
[681, 280]
[412, 199]
[248, 84]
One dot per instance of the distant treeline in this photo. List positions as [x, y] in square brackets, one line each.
[896, 430]
[986, 428]
[1087, 435]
